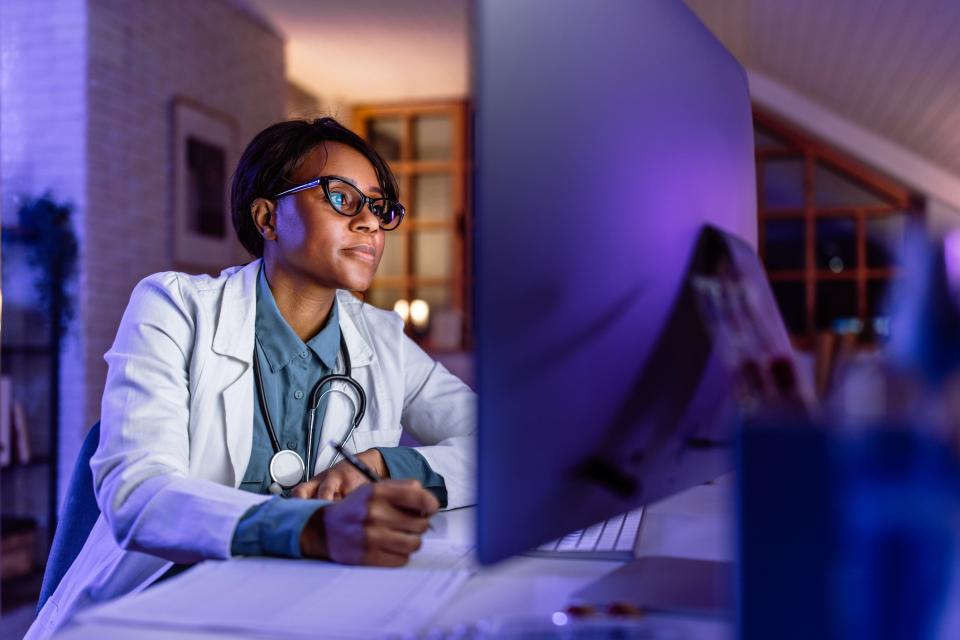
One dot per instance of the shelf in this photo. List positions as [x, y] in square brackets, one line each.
[39, 461]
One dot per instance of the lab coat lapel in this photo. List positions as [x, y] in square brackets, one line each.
[361, 354]
[238, 312]
[339, 411]
[234, 340]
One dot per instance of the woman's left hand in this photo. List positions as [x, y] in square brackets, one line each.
[340, 479]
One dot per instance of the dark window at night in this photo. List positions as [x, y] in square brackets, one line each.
[836, 304]
[784, 242]
[790, 299]
[830, 232]
[836, 244]
[783, 184]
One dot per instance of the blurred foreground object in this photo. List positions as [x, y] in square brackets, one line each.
[848, 522]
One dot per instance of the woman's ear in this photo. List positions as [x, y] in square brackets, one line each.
[263, 213]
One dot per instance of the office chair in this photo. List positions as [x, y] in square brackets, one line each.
[80, 512]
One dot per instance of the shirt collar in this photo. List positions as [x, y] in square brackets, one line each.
[278, 341]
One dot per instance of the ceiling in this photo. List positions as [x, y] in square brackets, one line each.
[892, 67]
[354, 51]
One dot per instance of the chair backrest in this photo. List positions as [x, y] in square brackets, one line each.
[80, 513]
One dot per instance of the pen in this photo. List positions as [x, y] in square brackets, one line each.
[358, 464]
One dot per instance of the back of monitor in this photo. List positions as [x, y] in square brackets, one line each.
[607, 134]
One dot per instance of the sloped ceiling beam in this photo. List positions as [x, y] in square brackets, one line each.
[888, 157]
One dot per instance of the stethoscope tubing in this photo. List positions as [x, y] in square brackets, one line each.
[360, 407]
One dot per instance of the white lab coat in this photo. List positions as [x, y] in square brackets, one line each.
[177, 427]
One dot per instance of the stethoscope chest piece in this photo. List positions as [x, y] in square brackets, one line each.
[286, 470]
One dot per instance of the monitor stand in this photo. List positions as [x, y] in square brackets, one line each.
[659, 583]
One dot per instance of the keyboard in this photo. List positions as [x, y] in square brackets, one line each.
[615, 539]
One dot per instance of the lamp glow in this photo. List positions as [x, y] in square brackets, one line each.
[419, 313]
[402, 307]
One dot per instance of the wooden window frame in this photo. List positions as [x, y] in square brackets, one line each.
[898, 200]
[460, 222]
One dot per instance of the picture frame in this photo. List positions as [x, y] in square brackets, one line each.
[204, 152]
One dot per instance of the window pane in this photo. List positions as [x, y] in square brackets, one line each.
[836, 189]
[876, 297]
[836, 244]
[783, 183]
[790, 299]
[432, 251]
[392, 262]
[836, 303]
[384, 297]
[432, 138]
[385, 135]
[885, 237]
[764, 139]
[438, 297]
[878, 318]
[433, 197]
[784, 244]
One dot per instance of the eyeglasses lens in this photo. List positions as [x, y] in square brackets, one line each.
[389, 212]
[344, 197]
[348, 200]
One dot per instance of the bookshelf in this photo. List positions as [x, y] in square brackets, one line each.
[29, 391]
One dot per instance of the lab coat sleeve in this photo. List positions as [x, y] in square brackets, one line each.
[439, 410]
[141, 467]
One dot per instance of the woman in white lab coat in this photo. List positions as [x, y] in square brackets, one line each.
[314, 203]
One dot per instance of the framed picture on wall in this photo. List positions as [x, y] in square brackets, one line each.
[204, 153]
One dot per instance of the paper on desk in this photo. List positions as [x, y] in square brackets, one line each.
[295, 598]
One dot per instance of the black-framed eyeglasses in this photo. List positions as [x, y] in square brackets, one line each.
[346, 199]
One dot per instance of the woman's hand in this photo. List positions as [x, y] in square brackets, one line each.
[378, 524]
[341, 479]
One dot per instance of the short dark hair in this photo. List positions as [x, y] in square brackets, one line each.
[275, 153]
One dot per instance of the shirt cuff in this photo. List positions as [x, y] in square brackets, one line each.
[406, 462]
[273, 528]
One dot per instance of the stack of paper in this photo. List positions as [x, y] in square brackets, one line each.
[300, 598]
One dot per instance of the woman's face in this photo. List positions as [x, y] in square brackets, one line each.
[313, 240]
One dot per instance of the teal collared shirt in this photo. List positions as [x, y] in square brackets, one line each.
[289, 369]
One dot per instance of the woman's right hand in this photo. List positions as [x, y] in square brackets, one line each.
[378, 524]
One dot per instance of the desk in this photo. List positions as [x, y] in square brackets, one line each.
[693, 524]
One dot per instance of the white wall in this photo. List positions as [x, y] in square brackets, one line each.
[941, 217]
[373, 51]
[141, 55]
[86, 110]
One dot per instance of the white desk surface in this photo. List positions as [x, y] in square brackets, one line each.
[692, 524]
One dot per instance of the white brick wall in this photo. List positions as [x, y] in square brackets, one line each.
[86, 109]
[142, 53]
[43, 110]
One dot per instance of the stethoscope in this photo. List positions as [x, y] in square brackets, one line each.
[287, 468]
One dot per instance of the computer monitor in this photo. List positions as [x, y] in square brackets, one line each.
[607, 135]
